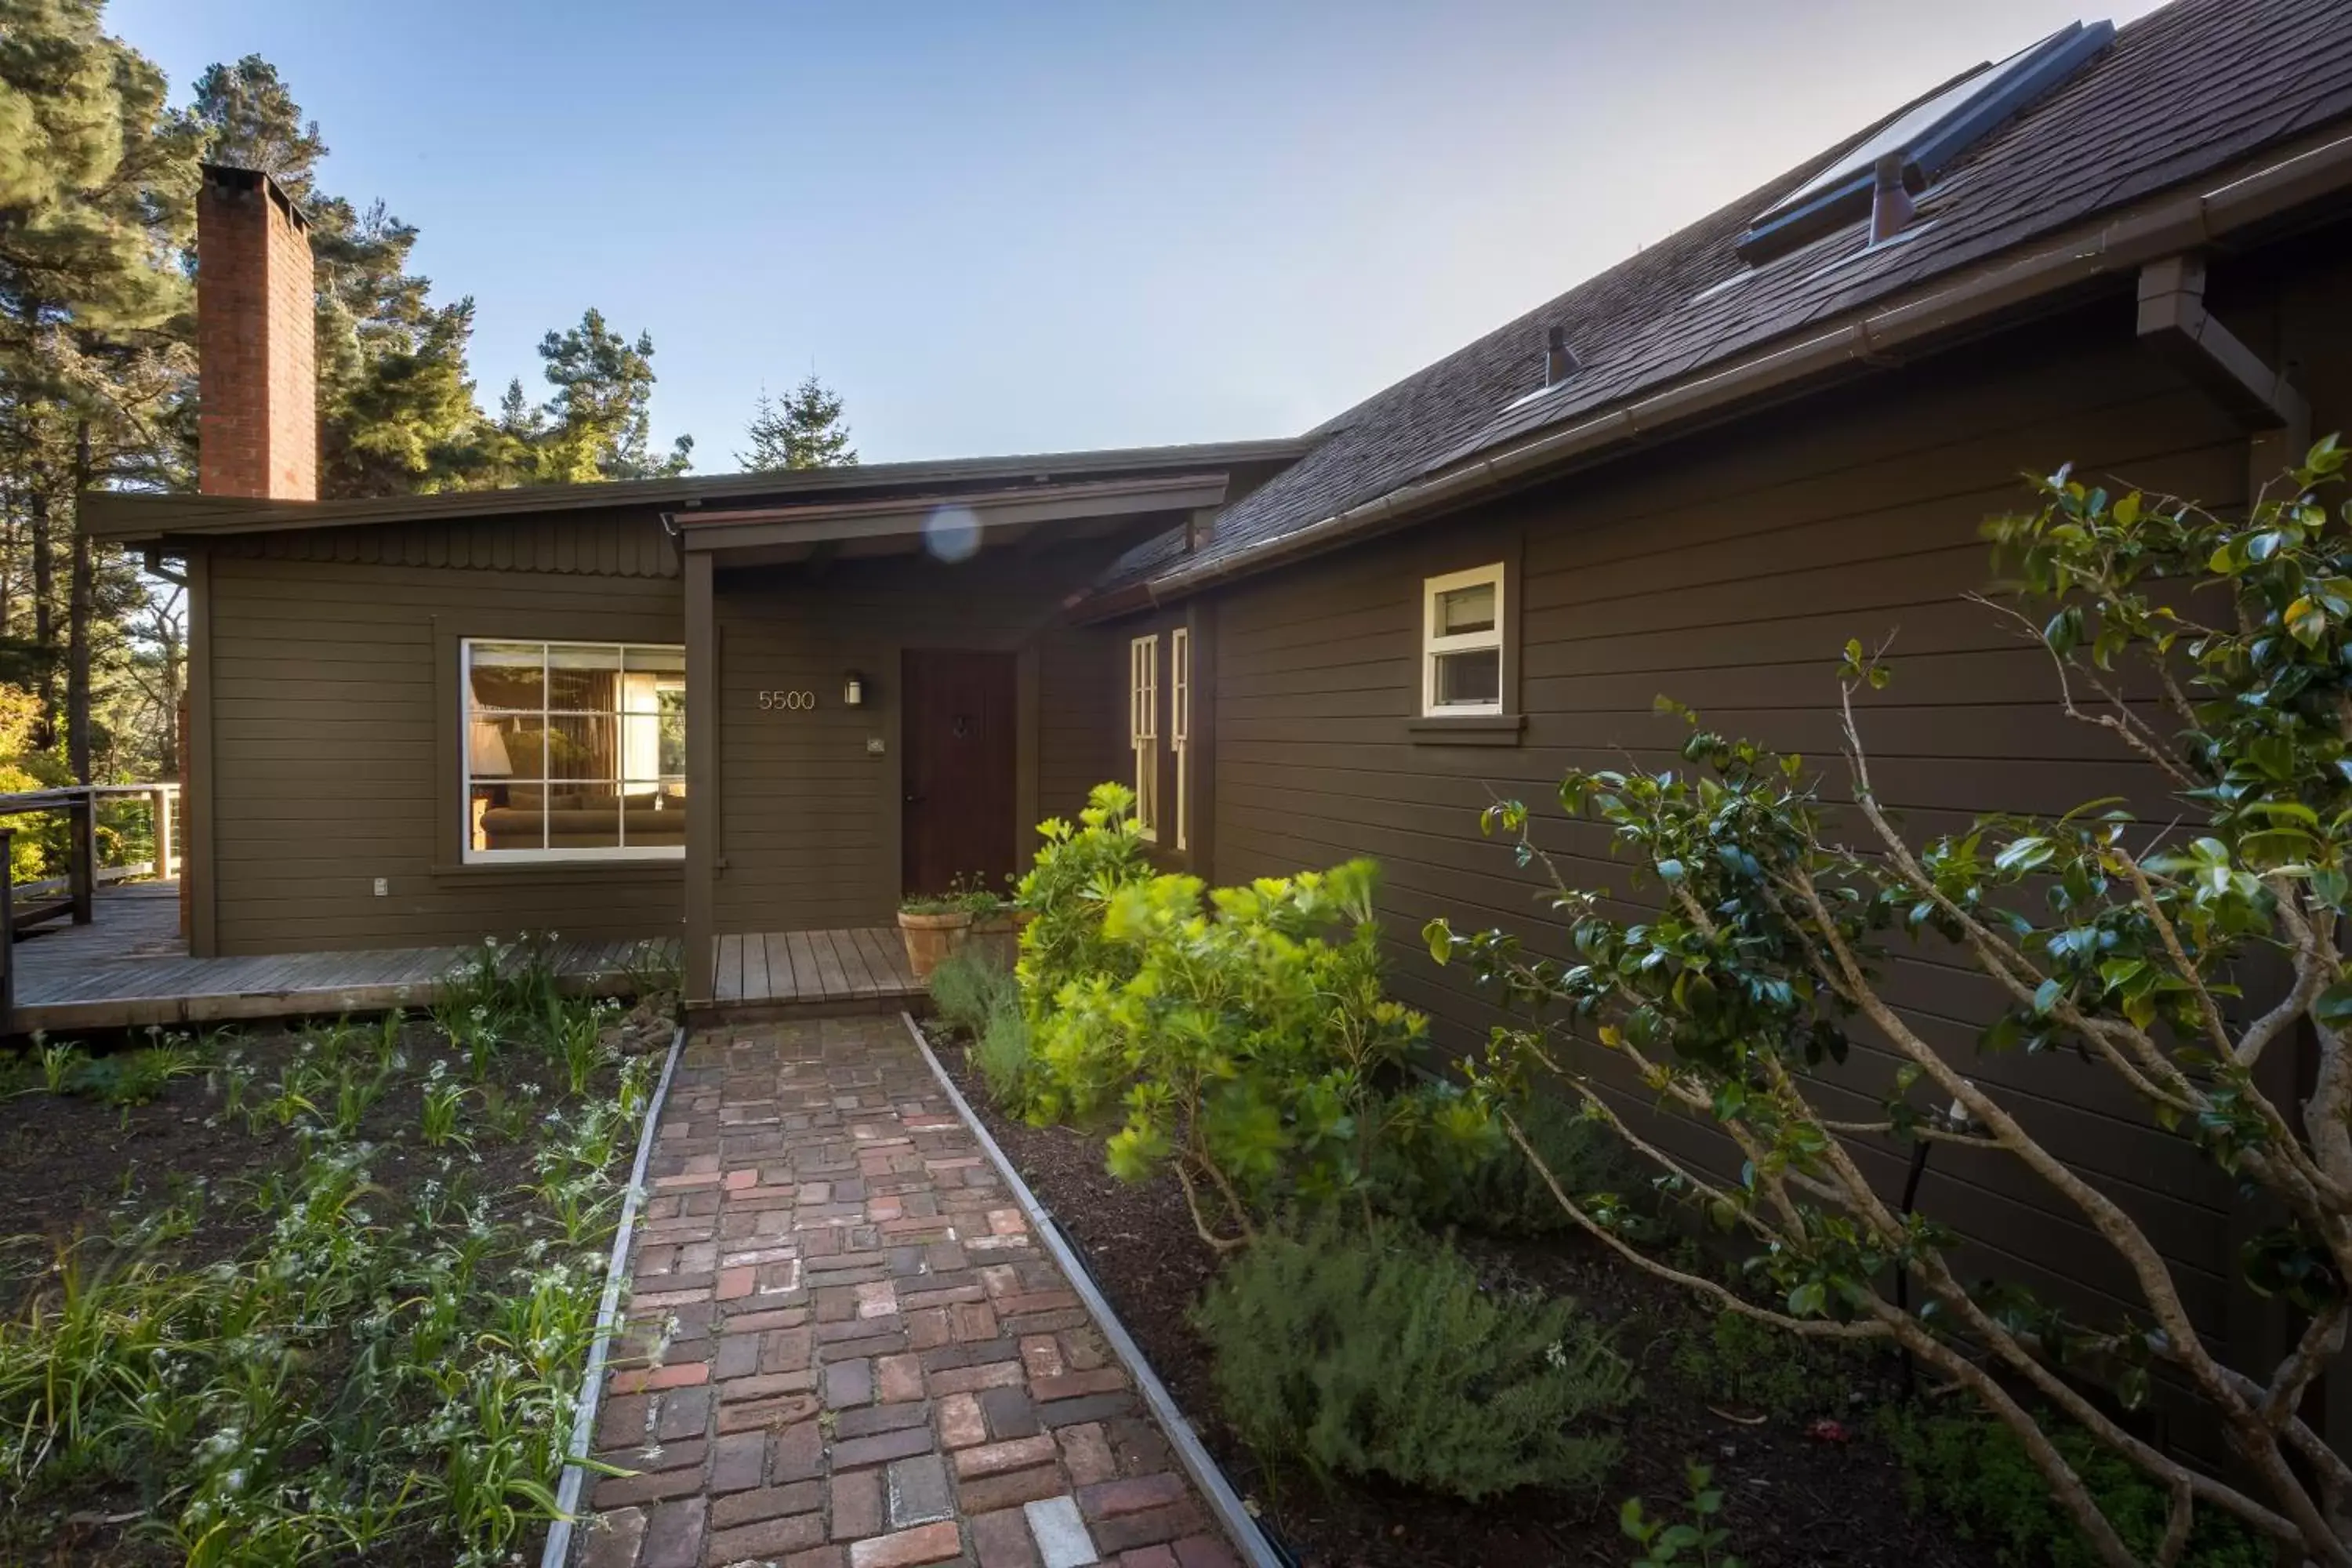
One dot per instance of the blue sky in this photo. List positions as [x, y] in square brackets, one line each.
[1052, 226]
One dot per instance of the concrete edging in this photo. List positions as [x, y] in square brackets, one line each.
[558, 1550]
[1240, 1526]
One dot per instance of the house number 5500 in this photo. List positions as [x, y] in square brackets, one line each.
[797, 701]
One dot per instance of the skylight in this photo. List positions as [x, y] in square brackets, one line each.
[1928, 135]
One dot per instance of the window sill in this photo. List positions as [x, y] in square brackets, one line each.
[559, 870]
[1467, 730]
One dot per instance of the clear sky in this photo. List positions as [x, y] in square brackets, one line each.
[1002, 229]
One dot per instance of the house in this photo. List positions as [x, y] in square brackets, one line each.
[775, 702]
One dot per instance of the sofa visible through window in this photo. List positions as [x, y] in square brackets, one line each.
[573, 749]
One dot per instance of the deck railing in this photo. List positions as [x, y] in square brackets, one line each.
[26, 905]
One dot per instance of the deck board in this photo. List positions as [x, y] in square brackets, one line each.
[755, 965]
[853, 964]
[854, 970]
[128, 969]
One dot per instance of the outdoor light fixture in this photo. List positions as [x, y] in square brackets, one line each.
[853, 690]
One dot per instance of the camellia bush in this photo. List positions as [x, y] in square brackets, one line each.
[2216, 651]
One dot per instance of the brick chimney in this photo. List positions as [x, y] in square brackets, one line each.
[258, 432]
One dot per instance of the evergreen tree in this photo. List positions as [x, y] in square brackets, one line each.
[804, 431]
[598, 426]
[96, 182]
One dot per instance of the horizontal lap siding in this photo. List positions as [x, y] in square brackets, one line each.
[810, 817]
[1728, 574]
[331, 721]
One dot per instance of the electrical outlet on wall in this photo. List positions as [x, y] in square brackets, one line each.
[872, 745]
[382, 887]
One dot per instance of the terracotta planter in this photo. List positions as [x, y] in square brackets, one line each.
[997, 937]
[931, 938]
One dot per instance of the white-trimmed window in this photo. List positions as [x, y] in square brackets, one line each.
[1462, 642]
[1179, 724]
[574, 750]
[1143, 729]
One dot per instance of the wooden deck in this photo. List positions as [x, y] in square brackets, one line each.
[779, 973]
[128, 968]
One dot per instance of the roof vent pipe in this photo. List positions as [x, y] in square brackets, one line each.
[1891, 206]
[1560, 360]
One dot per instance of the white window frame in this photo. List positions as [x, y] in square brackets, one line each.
[1432, 645]
[1179, 724]
[470, 856]
[1143, 730]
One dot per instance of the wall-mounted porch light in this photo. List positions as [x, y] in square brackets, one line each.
[853, 690]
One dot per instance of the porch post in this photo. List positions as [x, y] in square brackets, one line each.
[702, 806]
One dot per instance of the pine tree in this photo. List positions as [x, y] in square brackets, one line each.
[97, 185]
[804, 431]
[598, 426]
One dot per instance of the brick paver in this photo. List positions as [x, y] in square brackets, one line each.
[846, 1349]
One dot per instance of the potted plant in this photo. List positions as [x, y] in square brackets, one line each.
[932, 926]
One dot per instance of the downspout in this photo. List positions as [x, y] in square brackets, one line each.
[2124, 242]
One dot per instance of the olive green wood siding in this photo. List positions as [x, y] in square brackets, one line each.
[1726, 572]
[809, 833]
[334, 722]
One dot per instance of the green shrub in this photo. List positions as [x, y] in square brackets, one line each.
[968, 987]
[1377, 1353]
[983, 1000]
[1248, 1044]
[1738, 1361]
[1973, 1471]
[1001, 1055]
[1445, 1161]
[1067, 890]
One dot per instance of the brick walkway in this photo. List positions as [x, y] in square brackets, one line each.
[846, 1349]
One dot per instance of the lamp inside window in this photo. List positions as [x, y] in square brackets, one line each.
[1462, 642]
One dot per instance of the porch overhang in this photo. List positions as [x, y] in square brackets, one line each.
[955, 522]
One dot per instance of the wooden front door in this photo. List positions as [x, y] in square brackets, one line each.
[958, 768]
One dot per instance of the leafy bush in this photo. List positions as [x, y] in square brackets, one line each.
[1377, 1353]
[1248, 1048]
[1445, 1161]
[2214, 650]
[1973, 1470]
[1067, 889]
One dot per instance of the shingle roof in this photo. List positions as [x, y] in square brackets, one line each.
[2193, 88]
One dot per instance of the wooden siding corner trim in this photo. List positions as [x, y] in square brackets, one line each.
[702, 751]
[200, 864]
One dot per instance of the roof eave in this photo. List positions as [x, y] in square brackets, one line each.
[1948, 309]
[134, 518]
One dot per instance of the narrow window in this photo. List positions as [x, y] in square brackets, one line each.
[1143, 730]
[1462, 642]
[573, 751]
[1179, 724]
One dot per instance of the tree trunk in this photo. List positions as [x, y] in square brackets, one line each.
[45, 629]
[82, 590]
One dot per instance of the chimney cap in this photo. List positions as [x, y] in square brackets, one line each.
[230, 177]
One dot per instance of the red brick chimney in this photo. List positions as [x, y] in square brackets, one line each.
[258, 431]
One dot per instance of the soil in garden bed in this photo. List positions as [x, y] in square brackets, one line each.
[76, 1170]
[1792, 1499]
